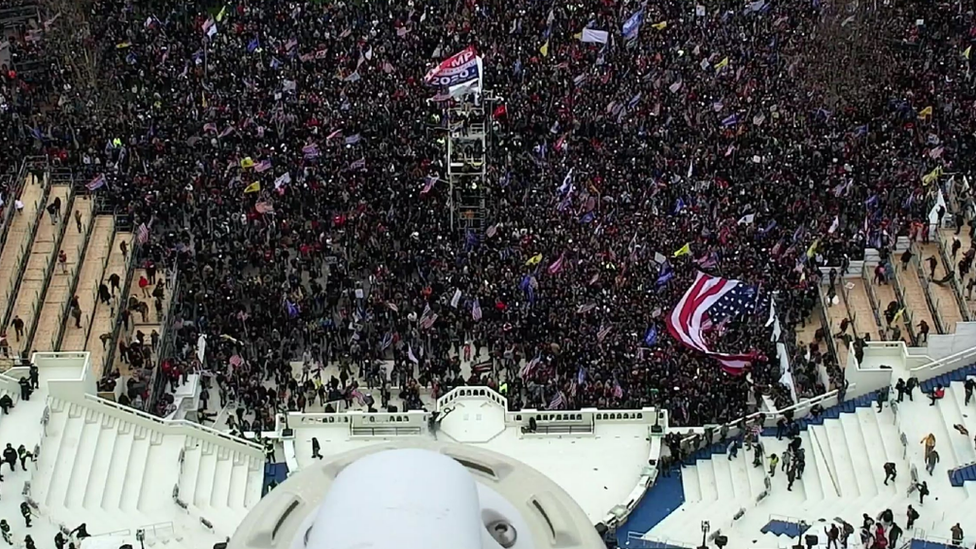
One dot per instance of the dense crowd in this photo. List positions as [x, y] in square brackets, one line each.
[725, 126]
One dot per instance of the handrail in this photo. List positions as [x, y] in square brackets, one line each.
[165, 334]
[930, 301]
[109, 357]
[177, 423]
[906, 312]
[957, 288]
[24, 249]
[964, 357]
[872, 296]
[76, 277]
[825, 319]
[822, 457]
[14, 189]
[49, 268]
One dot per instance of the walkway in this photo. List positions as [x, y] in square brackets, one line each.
[43, 253]
[915, 298]
[152, 320]
[17, 243]
[860, 306]
[886, 294]
[836, 313]
[103, 318]
[59, 288]
[967, 243]
[943, 296]
[99, 245]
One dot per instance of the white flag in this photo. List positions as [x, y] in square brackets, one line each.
[747, 219]
[834, 225]
[597, 36]
[456, 299]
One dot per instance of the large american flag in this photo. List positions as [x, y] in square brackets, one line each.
[712, 300]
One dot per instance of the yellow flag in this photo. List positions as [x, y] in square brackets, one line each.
[221, 14]
[660, 26]
[932, 176]
[253, 188]
[813, 248]
[684, 250]
[544, 50]
[578, 36]
[203, 100]
[925, 113]
[897, 315]
[968, 51]
[247, 162]
[534, 260]
[722, 64]
[123, 45]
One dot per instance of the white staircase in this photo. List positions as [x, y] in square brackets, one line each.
[120, 474]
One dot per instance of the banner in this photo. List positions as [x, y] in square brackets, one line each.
[457, 69]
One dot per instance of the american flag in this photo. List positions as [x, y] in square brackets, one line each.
[96, 183]
[428, 184]
[557, 401]
[353, 139]
[529, 366]
[358, 164]
[143, 233]
[311, 150]
[263, 166]
[712, 299]
[476, 310]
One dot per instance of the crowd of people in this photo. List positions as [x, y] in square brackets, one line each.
[278, 152]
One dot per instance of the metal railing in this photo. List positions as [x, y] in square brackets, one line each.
[872, 296]
[931, 302]
[23, 253]
[49, 268]
[906, 312]
[75, 279]
[15, 183]
[130, 268]
[94, 290]
[167, 340]
[957, 288]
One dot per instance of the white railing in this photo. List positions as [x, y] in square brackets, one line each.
[174, 427]
[944, 365]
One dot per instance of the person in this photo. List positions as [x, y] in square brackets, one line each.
[5, 532]
[10, 457]
[890, 472]
[25, 512]
[59, 540]
[900, 388]
[931, 460]
[54, 210]
[18, 324]
[929, 443]
[912, 517]
[923, 490]
[29, 541]
[894, 534]
[923, 331]
[734, 448]
[63, 261]
[24, 455]
[6, 403]
[910, 386]
[25, 389]
[790, 478]
[78, 220]
[968, 387]
[773, 463]
[833, 534]
[937, 394]
[81, 532]
[316, 449]
[957, 535]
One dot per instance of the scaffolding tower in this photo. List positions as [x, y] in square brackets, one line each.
[468, 128]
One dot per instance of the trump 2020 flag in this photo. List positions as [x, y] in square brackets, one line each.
[709, 301]
[459, 68]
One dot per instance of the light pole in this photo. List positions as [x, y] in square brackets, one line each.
[705, 528]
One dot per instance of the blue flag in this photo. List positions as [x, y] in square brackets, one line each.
[632, 25]
[253, 45]
[650, 338]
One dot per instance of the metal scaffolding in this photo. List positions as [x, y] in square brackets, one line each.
[468, 128]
